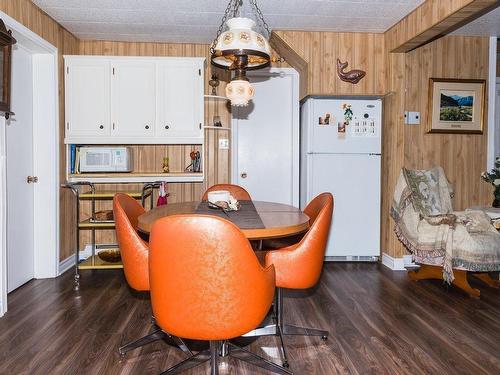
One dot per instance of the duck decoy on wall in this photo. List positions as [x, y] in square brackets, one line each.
[352, 76]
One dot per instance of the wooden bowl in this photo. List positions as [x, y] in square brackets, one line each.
[110, 255]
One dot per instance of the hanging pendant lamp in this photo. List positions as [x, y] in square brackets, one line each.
[239, 49]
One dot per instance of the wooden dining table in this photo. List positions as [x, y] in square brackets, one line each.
[278, 220]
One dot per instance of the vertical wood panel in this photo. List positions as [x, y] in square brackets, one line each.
[320, 51]
[463, 156]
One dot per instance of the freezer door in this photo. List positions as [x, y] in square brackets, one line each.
[354, 181]
[327, 132]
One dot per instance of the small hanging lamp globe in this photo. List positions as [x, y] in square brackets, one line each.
[239, 91]
[240, 47]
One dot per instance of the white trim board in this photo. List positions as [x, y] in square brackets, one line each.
[397, 264]
[45, 161]
[492, 80]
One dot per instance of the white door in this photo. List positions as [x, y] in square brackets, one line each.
[265, 138]
[19, 147]
[354, 181]
[87, 98]
[180, 101]
[133, 98]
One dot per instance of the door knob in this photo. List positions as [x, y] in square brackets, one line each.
[243, 175]
[32, 179]
[147, 127]
[167, 127]
[101, 126]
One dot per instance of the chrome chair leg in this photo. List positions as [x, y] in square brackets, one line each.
[256, 360]
[214, 358]
[188, 363]
[149, 338]
[152, 337]
[291, 330]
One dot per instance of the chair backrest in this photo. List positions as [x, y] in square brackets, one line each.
[206, 282]
[134, 251]
[431, 191]
[236, 191]
[299, 266]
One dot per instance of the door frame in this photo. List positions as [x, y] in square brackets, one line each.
[295, 128]
[45, 159]
[492, 87]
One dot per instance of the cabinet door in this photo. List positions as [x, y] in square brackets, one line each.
[133, 98]
[87, 98]
[180, 101]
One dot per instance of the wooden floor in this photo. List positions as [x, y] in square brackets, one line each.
[380, 322]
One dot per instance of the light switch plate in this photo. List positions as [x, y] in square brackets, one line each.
[412, 118]
[223, 144]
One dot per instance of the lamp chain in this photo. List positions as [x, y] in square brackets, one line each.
[260, 16]
[232, 7]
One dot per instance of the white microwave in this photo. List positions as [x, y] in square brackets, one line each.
[106, 159]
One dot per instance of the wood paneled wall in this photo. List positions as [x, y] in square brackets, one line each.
[433, 18]
[320, 50]
[462, 156]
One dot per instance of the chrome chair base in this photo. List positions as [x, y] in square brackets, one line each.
[156, 335]
[280, 329]
[234, 351]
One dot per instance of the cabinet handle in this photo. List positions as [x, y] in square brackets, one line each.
[101, 126]
[167, 127]
[147, 126]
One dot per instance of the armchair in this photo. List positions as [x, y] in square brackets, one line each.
[446, 243]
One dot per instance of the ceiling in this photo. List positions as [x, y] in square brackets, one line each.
[487, 25]
[196, 21]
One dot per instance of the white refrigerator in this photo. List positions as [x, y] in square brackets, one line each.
[341, 153]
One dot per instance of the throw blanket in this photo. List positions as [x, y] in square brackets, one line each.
[434, 234]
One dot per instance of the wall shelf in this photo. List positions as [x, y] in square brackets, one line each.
[216, 128]
[94, 262]
[111, 178]
[216, 97]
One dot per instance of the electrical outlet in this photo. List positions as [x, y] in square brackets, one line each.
[223, 144]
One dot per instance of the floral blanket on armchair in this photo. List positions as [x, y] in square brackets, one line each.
[436, 235]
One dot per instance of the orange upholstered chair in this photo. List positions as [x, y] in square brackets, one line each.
[135, 258]
[299, 267]
[207, 284]
[236, 191]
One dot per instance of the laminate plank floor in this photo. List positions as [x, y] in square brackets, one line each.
[380, 322]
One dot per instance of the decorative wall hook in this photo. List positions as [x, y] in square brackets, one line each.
[352, 76]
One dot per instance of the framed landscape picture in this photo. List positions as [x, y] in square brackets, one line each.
[456, 105]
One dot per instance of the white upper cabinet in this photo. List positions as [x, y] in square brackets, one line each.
[180, 110]
[87, 105]
[134, 100]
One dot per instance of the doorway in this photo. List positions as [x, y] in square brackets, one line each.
[19, 159]
[265, 138]
[29, 165]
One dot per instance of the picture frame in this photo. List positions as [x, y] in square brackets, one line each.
[456, 106]
[6, 42]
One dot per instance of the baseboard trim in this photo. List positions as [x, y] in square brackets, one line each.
[69, 262]
[66, 264]
[397, 264]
